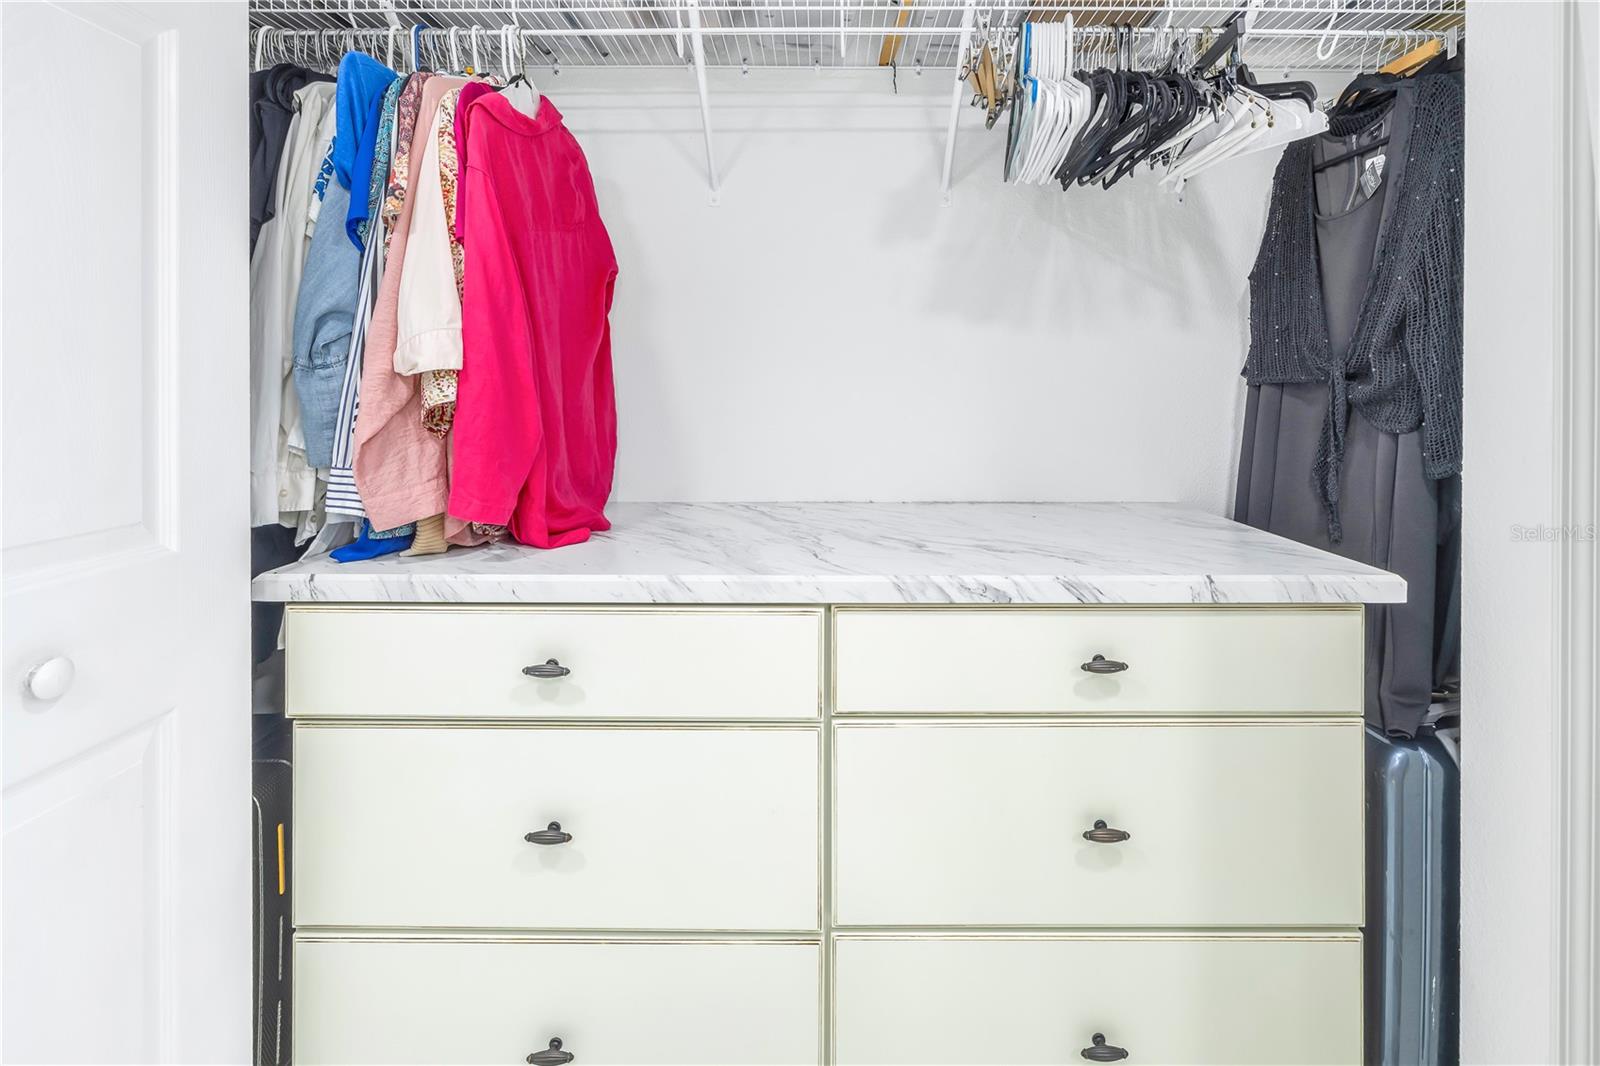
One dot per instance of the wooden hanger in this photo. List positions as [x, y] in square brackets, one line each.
[1413, 60]
[891, 43]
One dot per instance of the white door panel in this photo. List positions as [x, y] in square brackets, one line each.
[124, 264]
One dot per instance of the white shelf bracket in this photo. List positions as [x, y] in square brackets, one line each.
[697, 46]
[958, 95]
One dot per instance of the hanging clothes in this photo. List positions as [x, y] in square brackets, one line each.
[1403, 366]
[464, 101]
[272, 110]
[344, 499]
[359, 315]
[535, 432]
[400, 467]
[429, 319]
[326, 311]
[1391, 507]
[282, 485]
[362, 84]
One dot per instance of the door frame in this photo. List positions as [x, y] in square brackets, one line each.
[1577, 578]
[1530, 889]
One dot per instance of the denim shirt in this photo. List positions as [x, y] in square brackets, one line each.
[324, 316]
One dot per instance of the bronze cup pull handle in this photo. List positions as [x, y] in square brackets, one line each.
[1101, 665]
[551, 1056]
[1105, 834]
[1100, 1051]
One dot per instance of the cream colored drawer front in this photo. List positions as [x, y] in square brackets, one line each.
[1176, 1002]
[468, 662]
[611, 1004]
[1180, 661]
[1232, 824]
[712, 829]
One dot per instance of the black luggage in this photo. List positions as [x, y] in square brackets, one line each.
[1413, 904]
[271, 781]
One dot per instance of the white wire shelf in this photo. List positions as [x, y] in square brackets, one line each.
[507, 35]
[1285, 34]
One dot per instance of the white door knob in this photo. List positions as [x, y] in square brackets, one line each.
[50, 680]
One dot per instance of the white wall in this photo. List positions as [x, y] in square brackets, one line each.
[832, 332]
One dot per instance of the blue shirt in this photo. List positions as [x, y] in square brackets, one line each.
[358, 102]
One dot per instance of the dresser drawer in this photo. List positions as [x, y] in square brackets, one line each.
[1026, 661]
[1179, 1001]
[611, 1004]
[687, 828]
[450, 662]
[1231, 824]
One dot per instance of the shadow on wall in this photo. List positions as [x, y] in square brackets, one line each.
[872, 343]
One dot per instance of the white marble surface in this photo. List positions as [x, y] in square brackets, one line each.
[867, 553]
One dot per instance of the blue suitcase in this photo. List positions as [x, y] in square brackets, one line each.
[1413, 946]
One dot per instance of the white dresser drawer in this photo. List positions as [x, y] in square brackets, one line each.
[1232, 823]
[611, 1004]
[1179, 1001]
[455, 662]
[1031, 661]
[687, 828]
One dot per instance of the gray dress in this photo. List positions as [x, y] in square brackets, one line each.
[1394, 516]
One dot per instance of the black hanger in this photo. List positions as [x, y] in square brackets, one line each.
[1111, 101]
[1354, 153]
[1129, 134]
[1014, 119]
[1278, 90]
[1173, 105]
[1365, 90]
[1220, 47]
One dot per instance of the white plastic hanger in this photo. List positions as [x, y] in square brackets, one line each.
[1081, 111]
[1041, 99]
[1252, 120]
[524, 95]
[1027, 90]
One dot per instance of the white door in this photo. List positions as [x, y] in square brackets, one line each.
[123, 247]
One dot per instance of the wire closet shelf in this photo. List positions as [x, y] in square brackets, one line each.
[540, 36]
[1299, 35]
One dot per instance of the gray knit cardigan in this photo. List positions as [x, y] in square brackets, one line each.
[1403, 368]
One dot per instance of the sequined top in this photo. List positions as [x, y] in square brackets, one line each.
[1402, 369]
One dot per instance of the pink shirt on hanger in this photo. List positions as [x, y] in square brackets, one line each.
[535, 435]
[399, 465]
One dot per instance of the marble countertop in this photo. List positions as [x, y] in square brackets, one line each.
[1044, 553]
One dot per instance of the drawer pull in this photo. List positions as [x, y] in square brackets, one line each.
[1097, 1051]
[1100, 834]
[1101, 665]
[554, 1056]
[550, 834]
[553, 668]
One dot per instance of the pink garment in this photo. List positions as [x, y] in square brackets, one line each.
[399, 465]
[469, 94]
[535, 434]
